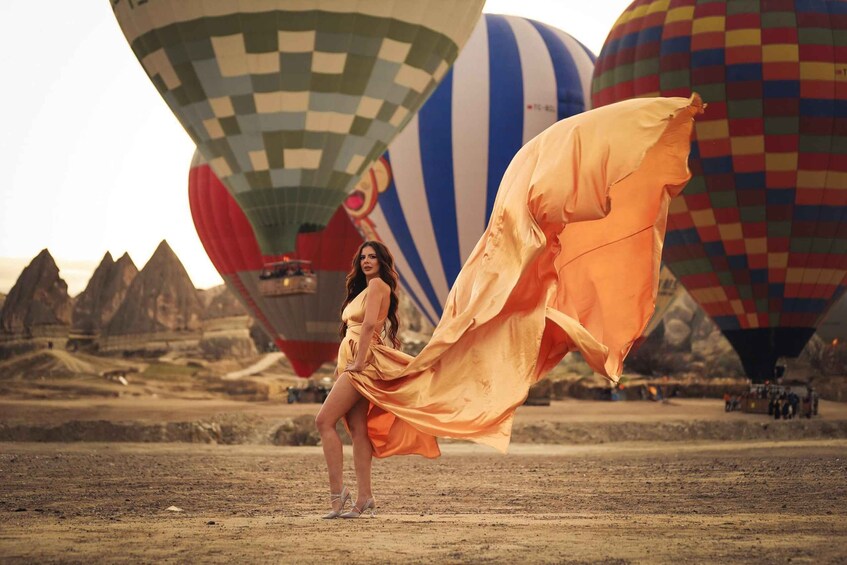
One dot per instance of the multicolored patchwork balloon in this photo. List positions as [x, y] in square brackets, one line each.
[759, 236]
[304, 326]
[290, 101]
[429, 197]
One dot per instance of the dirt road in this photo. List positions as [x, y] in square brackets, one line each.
[147, 409]
[627, 502]
[142, 419]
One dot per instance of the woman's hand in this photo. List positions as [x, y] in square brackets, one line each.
[354, 367]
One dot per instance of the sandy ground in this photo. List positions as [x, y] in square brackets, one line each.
[627, 502]
[575, 487]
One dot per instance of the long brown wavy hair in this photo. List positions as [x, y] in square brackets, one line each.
[357, 282]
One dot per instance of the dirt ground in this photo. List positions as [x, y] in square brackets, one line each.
[617, 503]
[584, 482]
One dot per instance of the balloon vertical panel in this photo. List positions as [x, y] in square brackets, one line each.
[291, 101]
[758, 237]
[429, 197]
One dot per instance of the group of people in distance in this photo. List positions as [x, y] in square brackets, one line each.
[783, 401]
[786, 405]
[278, 271]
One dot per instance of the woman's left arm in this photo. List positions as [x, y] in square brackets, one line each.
[377, 292]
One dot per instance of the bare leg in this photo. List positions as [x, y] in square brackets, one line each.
[341, 399]
[362, 449]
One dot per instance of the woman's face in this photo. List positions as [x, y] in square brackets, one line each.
[368, 261]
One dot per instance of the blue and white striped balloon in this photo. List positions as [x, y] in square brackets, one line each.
[430, 196]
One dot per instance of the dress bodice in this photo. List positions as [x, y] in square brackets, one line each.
[354, 314]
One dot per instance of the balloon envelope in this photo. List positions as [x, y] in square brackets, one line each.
[430, 196]
[304, 327]
[290, 101]
[758, 236]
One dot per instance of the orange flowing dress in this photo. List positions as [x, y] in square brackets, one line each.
[569, 262]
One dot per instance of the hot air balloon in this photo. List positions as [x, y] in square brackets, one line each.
[429, 197]
[291, 101]
[758, 236]
[304, 327]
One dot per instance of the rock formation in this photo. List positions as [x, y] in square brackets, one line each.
[2, 300]
[103, 295]
[410, 317]
[228, 344]
[415, 329]
[834, 324]
[226, 325]
[221, 302]
[38, 300]
[687, 343]
[160, 298]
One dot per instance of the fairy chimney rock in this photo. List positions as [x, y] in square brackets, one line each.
[221, 302]
[160, 298]
[38, 299]
[104, 294]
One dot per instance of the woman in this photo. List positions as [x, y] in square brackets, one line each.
[558, 269]
[371, 300]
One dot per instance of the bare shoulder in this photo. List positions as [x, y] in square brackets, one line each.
[377, 285]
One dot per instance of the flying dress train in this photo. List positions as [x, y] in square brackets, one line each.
[569, 262]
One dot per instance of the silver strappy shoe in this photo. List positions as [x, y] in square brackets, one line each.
[343, 496]
[355, 512]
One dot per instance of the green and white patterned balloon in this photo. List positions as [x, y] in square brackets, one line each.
[290, 101]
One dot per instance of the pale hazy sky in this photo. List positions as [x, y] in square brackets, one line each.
[96, 161]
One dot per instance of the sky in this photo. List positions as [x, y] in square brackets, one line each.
[95, 159]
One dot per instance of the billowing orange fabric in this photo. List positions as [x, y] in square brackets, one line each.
[555, 271]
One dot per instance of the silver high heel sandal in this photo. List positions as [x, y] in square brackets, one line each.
[343, 496]
[355, 512]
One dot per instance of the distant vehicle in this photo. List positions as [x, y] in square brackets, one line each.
[312, 392]
[289, 277]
